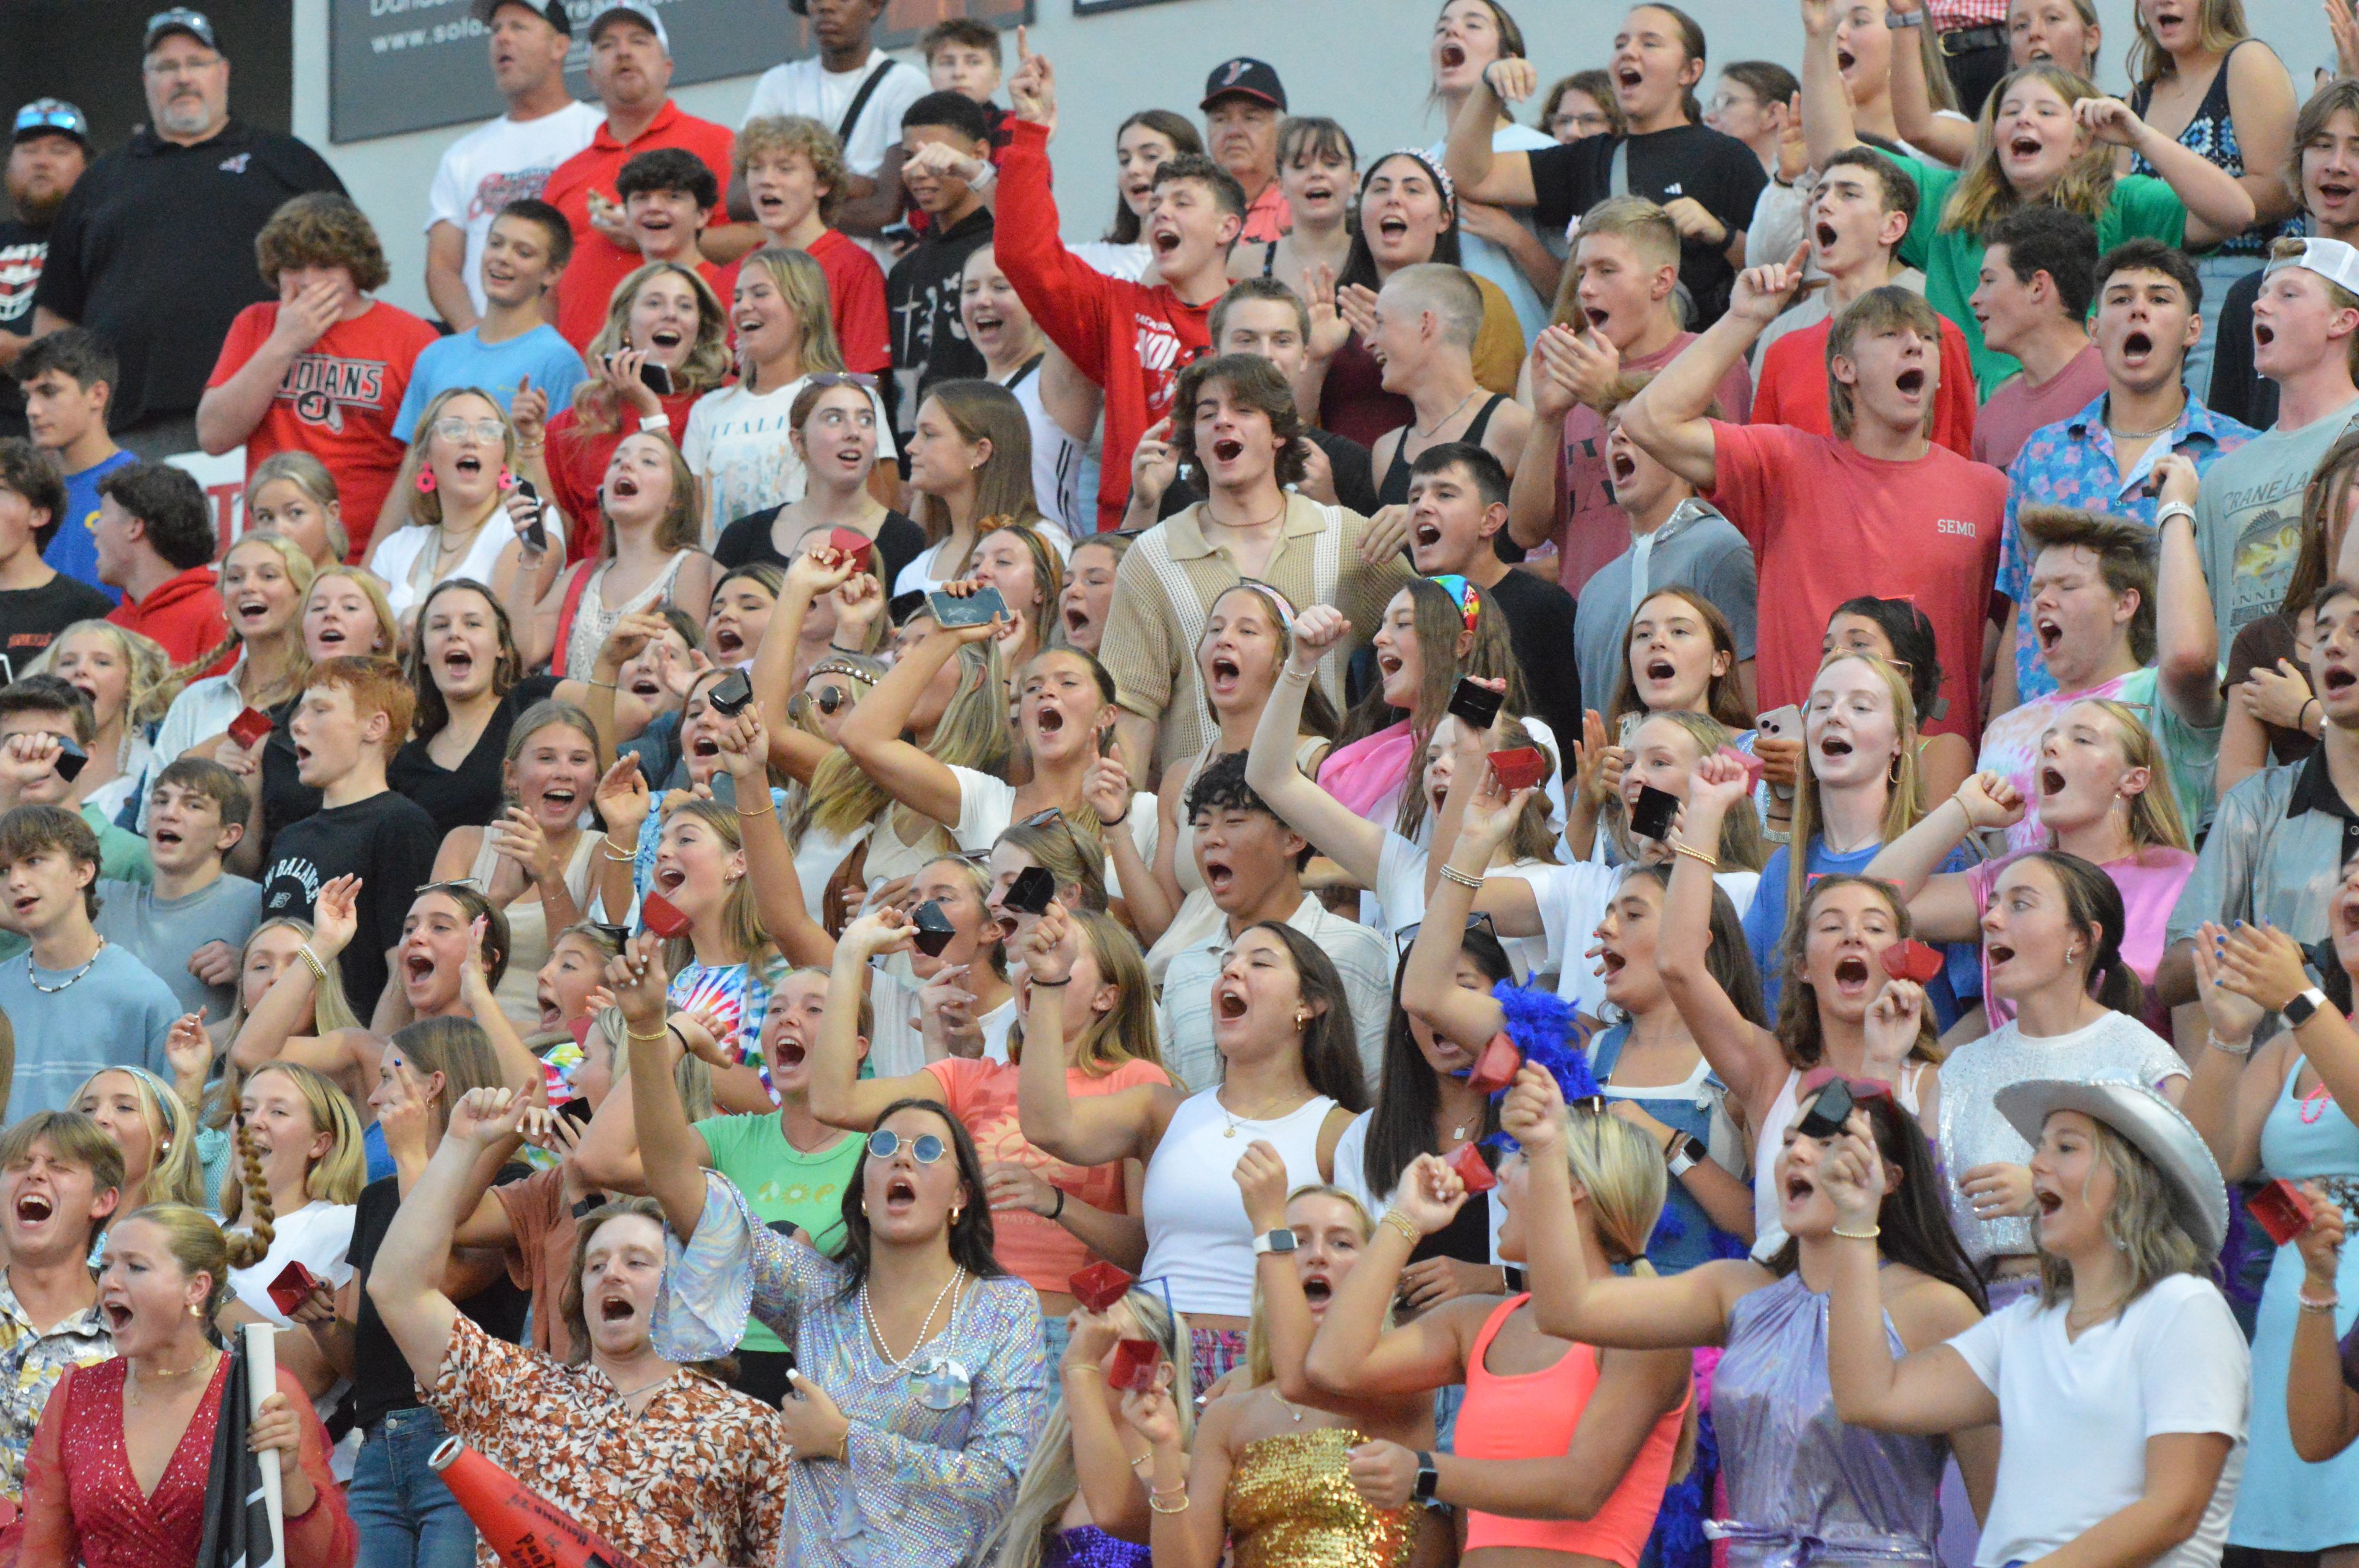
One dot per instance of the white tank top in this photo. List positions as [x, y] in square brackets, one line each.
[1768, 1229]
[1198, 1240]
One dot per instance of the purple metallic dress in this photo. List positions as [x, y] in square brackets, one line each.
[1803, 1488]
[1087, 1546]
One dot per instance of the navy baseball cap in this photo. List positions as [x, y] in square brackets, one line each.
[51, 117]
[550, 11]
[179, 20]
[1245, 77]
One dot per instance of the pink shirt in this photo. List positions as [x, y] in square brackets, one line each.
[2150, 883]
[2020, 406]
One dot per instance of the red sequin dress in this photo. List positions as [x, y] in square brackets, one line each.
[82, 1504]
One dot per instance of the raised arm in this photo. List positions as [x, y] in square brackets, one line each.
[1357, 1352]
[229, 412]
[1287, 1323]
[746, 751]
[1334, 828]
[1942, 906]
[1502, 179]
[872, 730]
[287, 1005]
[2321, 1405]
[818, 570]
[2233, 1086]
[403, 1281]
[2218, 208]
[1744, 1055]
[1936, 136]
[1429, 987]
[2187, 635]
[1667, 418]
[1827, 125]
[669, 1149]
[2265, 965]
[1096, 1129]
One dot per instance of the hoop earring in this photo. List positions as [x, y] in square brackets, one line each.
[1892, 773]
[425, 481]
[957, 1211]
[1302, 1018]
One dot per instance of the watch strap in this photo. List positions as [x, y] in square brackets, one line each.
[2306, 1005]
[1270, 1241]
[1428, 1477]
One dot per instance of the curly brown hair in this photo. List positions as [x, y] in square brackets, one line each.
[321, 229]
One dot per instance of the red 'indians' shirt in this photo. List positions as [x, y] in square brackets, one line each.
[337, 401]
[1827, 524]
[1133, 340]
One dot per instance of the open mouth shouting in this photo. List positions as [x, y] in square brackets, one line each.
[2045, 1197]
[1661, 671]
[985, 322]
[1164, 235]
[615, 1307]
[2049, 632]
[164, 837]
[1800, 1188]
[2336, 679]
[331, 637]
[458, 663]
[1826, 237]
[1833, 747]
[560, 800]
[726, 641]
[1224, 673]
[1844, 61]
[1628, 77]
[251, 609]
[1451, 55]
[1852, 975]
[1229, 1000]
[2051, 782]
[1393, 227]
[34, 1210]
[117, 1313]
[552, 1016]
[417, 966]
[1426, 534]
[668, 879]
[622, 487]
[665, 337]
[2335, 189]
[1219, 877]
[1048, 718]
[1610, 962]
[468, 463]
[2263, 334]
[1910, 383]
[2137, 348]
[1318, 1290]
[1077, 617]
[2024, 145]
[900, 1192]
[1996, 954]
[788, 1054]
[647, 688]
[1623, 467]
[1227, 449]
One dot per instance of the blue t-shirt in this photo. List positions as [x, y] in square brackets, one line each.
[72, 548]
[463, 359]
[1765, 927]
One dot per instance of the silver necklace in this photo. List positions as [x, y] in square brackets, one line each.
[900, 1367]
[1427, 434]
[72, 980]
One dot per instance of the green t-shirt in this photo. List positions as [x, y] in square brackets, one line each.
[1951, 259]
[783, 1185]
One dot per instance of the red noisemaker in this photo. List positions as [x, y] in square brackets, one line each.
[1473, 1170]
[1912, 960]
[2282, 1209]
[1099, 1286]
[251, 725]
[1751, 765]
[658, 914]
[526, 1529]
[1135, 1361]
[1496, 1068]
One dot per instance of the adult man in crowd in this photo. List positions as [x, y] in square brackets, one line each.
[1243, 102]
[154, 250]
[2039, 274]
[68, 379]
[155, 542]
[860, 92]
[630, 67]
[506, 160]
[61, 1182]
[48, 152]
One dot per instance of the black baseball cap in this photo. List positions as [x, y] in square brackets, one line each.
[179, 20]
[51, 117]
[550, 11]
[1245, 77]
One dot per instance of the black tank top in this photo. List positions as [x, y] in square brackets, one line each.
[1394, 492]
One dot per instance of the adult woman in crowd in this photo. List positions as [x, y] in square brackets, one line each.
[2278, 1110]
[115, 1489]
[155, 1125]
[1582, 104]
[1318, 167]
[1407, 214]
[2267, 718]
[2115, 1448]
[1248, 640]
[1291, 1078]
[1902, 634]
[1050, 1218]
[2104, 800]
[1502, 247]
[662, 315]
[918, 1359]
[293, 493]
[533, 863]
[1830, 956]
[1792, 1469]
[647, 555]
[1021, 560]
[971, 468]
[129, 680]
[1266, 1475]
[1089, 589]
[468, 673]
[836, 432]
[461, 516]
[313, 1021]
[265, 579]
[786, 340]
[1061, 405]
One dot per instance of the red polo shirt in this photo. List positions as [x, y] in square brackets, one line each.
[599, 263]
[185, 614]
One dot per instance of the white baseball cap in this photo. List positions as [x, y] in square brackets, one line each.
[644, 15]
[2333, 260]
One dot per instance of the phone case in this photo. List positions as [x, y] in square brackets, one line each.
[853, 542]
[1030, 892]
[1912, 960]
[1496, 1067]
[1472, 1170]
[934, 932]
[71, 760]
[1828, 1112]
[292, 1285]
[1651, 818]
[1475, 704]
[1522, 767]
[660, 915]
[1135, 1361]
[2282, 1210]
[731, 695]
[250, 725]
[1100, 1285]
[972, 609]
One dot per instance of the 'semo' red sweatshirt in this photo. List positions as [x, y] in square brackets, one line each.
[1133, 340]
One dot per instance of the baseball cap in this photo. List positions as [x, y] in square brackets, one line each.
[2333, 260]
[1247, 77]
[551, 11]
[642, 14]
[179, 20]
[52, 116]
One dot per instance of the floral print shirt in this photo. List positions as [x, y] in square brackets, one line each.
[920, 1486]
[695, 1475]
[32, 1363]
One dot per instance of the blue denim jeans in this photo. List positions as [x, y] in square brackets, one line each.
[405, 1516]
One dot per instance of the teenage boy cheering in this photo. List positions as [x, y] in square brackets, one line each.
[68, 381]
[511, 351]
[1131, 339]
[2039, 274]
[1877, 502]
[859, 92]
[61, 1182]
[155, 539]
[78, 1002]
[38, 714]
[669, 199]
[191, 926]
[353, 716]
[37, 601]
[1860, 212]
[921, 293]
[791, 170]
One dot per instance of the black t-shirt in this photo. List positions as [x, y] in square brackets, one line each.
[30, 618]
[2239, 391]
[468, 796]
[382, 1382]
[285, 799]
[1354, 470]
[747, 542]
[922, 297]
[153, 252]
[23, 249]
[1540, 628]
[388, 842]
[1718, 171]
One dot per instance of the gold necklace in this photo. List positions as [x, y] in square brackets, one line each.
[134, 1385]
[1233, 1120]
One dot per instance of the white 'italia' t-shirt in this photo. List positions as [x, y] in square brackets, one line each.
[736, 444]
[498, 162]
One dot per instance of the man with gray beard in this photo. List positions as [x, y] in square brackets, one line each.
[154, 250]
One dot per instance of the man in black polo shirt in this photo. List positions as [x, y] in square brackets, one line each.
[48, 152]
[154, 251]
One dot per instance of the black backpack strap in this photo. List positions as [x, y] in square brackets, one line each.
[860, 101]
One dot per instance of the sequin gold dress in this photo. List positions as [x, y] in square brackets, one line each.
[1291, 1503]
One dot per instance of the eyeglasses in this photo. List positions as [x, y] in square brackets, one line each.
[1406, 937]
[457, 429]
[883, 1143]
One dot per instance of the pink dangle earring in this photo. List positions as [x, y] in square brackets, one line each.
[425, 481]
[507, 479]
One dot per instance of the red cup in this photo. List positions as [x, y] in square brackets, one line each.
[853, 542]
[1100, 1285]
[251, 725]
[1135, 1361]
[1472, 1170]
[292, 1287]
[663, 917]
[2283, 1210]
[1912, 960]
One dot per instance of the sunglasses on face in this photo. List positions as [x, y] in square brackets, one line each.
[927, 1147]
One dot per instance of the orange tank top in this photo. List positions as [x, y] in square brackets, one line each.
[1533, 1414]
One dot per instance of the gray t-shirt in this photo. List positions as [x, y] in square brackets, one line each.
[2248, 518]
[115, 1015]
[163, 934]
[1694, 547]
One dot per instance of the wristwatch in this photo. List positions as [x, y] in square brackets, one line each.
[1685, 1152]
[1273, 1241]
[1904, 18]
[1428, 1477]
[2303, 1007]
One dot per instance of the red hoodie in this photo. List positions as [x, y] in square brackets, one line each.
[185, 615]
[1133, 340]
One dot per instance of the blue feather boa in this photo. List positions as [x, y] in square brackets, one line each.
[1547, 1030]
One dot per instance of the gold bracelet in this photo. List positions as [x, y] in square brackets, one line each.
[639, 1039]
[311, 962]
[1155, 1501]
[531, 446]
[1450, 873]
[1693, 853]
[1404, 1225]
[1870, 1234]
[767, 805]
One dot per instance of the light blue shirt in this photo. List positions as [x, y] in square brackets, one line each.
[72, 1024]
[463, 359]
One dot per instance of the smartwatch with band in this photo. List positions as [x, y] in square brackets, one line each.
[1428, 1477]
[1273, 1241]
[2304, 1007]
[1686, 1149]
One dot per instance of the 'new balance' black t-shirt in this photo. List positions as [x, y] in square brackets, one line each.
[385, 840]
[1720, 172]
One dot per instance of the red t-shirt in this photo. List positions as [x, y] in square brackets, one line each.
[577, 467]
[1827, 524]
[1791, 388]
[337, 401]
[599, 263]
[855, 298]
[1590, 529]
[185, 614]
[2018, 407]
